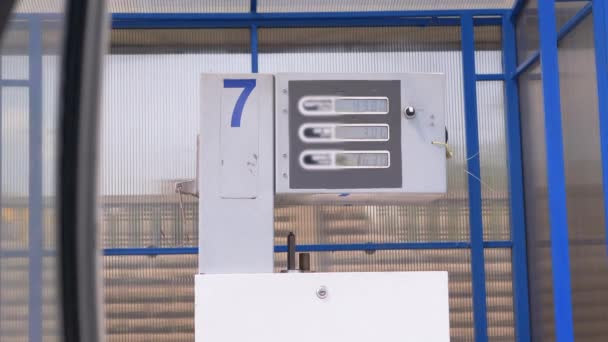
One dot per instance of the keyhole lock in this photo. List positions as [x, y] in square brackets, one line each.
[409, 112]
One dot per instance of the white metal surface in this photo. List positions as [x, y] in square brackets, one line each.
[239, 148]
[236, 226]
[423, 163]
[358, 307]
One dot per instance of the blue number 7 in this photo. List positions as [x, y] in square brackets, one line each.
[237, 112]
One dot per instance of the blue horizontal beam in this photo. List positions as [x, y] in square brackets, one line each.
[283, 249]
[245, 20]
[563, 32]
[14, 83]
[317, 248]
[375, 246]
[490, 77]
[150, 251]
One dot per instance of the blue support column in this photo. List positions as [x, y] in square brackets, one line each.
[516, 185]
[475, 210]
[1, 163]
[35, 181]
[253, 30]
[600, 32]
[556, 179]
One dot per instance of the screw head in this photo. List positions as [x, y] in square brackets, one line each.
[285, 155]
[322, 292]
[284, 175]
[284, 91]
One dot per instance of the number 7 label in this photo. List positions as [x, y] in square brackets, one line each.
[248, 85]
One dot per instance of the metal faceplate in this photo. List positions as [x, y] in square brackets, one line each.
[304, 307]
[349, 136]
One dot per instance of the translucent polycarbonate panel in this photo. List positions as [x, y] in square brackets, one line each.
[493, 160]
[360, 50]
[149, 298]
[29, 308]
[183, 42]
[14, 298]
[14, 155]
[584, 186]
[150, 123]
[178, 6]
[50, 107]
[566, 10]
[499, 291]
[488, 49]
[456, 262]
[378, 5]
[536, 202]
[329, 224]
[50, 293]
[14, 283]
[145, 6]
[15, 67]
[527, 31]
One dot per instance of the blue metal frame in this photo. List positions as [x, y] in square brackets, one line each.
[14, 83]
[473, 165]
[516, 185]
[1, 193]
[465, 18]
[35, 238]
[365, 247]
[253, 41]
[563, 32]
[558, 209]
[490, 77]
[600, 32]
[307, 19]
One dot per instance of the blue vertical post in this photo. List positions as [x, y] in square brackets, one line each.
[600, 32]
[516, 185]
[253, 40]
[475, 213]
[1, 162]
[35, 180]
[556, 178]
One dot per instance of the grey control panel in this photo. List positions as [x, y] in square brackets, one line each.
[349, 134]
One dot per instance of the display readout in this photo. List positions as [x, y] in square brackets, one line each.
[343, 105]
[361, 132]
[361, 105]
[362, 160]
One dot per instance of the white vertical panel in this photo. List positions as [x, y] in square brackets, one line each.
[239, 137]
[236, 220]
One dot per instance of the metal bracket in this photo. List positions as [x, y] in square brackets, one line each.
[190, 187]
[187, 188]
